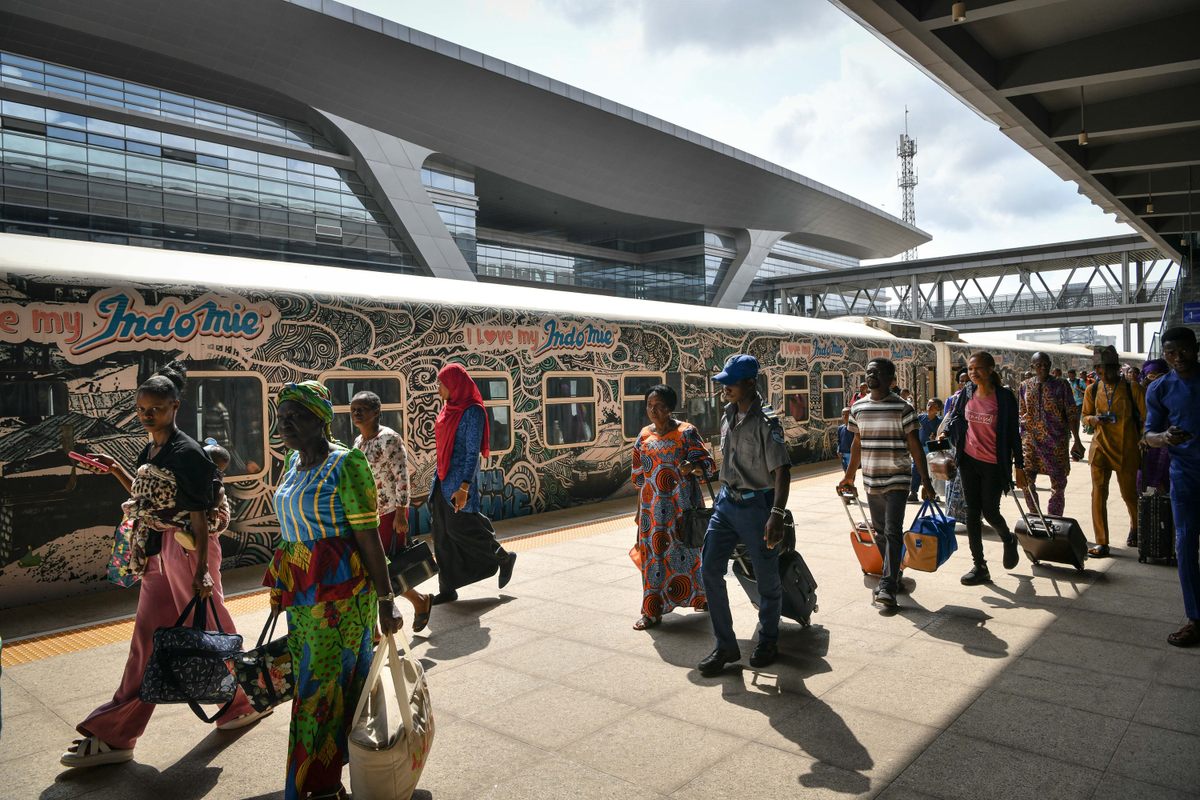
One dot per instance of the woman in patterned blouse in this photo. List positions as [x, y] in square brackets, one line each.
[384, 449]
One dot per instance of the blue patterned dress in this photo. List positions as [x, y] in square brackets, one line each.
[670, 570]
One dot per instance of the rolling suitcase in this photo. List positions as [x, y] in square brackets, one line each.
[1155, 528]
[799, 586]
[862, 538]
[1056, 539]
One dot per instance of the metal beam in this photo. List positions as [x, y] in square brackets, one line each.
[936, 14]
[1126, 185]
[1161, 47]
[1152, 112]
[1151, 153]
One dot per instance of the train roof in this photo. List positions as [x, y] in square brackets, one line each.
[992, 340]
[109, 263]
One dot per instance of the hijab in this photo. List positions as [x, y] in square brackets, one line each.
[463, 395]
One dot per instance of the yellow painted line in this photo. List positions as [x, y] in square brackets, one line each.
[87, 637]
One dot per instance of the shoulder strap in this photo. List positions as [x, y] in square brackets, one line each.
[1133, 409]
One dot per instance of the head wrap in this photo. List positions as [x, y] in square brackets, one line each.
[1158, 365]
[313, 396]
[463, 394]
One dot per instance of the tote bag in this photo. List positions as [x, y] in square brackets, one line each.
[392, 727]
[693, 522]
[188, 663]
[265, 673]
[930, 539]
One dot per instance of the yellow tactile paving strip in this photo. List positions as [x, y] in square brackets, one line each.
[120, 630]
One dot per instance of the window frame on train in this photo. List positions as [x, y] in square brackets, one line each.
[400, 406]
[59, 395]
[195, 381]
[490, 404]
[840, 391]
[640, 399]
[548, 401]
[806, 392]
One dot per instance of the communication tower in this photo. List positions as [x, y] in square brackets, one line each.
[907, 151]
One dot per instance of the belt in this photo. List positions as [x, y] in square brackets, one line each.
[742, 495]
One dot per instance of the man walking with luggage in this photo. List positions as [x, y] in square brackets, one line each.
[1049, 418]
[887, 445]
[1173, 421]
[1116, 409]
[755, 479]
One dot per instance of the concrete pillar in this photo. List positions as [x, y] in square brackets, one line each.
[753, 247]
[1125, 338]
[914, 297]
[1141, 336]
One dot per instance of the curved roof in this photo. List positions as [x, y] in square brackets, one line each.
[494, 115]
[114, 263]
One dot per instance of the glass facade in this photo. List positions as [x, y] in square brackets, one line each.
[81, 176]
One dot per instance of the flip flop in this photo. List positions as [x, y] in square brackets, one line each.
[645, 622]
[421, 618]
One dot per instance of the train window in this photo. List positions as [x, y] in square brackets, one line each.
[633, 401]
[32, 401]
[231, 408]
[344, 385]
[570, 409]
[495, 387]
[833, 394]
[702, 401]
[795, 396]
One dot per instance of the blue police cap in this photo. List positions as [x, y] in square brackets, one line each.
[737, 368]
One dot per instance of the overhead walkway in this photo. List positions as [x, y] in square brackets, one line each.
[1115, 280]
[1048, 683]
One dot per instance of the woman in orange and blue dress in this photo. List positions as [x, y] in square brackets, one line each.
[667, 455]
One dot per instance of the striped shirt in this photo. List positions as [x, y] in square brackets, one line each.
[330, 500]
[883, 427]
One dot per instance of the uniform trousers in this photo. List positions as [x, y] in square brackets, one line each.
[735, 523]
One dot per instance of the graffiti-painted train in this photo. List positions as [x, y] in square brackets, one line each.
[563, 376]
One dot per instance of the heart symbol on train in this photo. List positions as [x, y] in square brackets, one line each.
[490, 337]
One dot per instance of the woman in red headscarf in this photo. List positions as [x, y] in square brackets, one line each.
[463, 538]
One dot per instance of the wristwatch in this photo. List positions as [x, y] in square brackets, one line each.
[390, 597]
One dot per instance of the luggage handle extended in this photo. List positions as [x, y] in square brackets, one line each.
[846, 498]
[1037, 508]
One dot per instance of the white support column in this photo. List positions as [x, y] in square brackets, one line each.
[753, 247]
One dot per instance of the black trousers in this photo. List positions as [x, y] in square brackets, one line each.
[464, 544]
[983, 486]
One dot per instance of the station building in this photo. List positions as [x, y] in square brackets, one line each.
[309, 131]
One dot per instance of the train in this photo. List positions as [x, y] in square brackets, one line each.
[563, 376]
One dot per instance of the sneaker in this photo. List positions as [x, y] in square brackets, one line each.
[978, 574]
[245, 720]
[91, 752]
[1012, 556]
[764, 655]
[885, 598]
[912, 497]
[715, 662]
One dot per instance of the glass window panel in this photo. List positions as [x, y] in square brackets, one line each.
[229, 410]
[105, 158]
[146, 149]
[493, 388]
[173, 169]
[106, 141]
[65, 120]
[273, 187]
[12, 109]
[499, 428]
[68, 134]
[795, 383]
[179, 142]
[272, 160]
[33, 145]
[105, 127]
[570, 423]
[342, 390]
[273, 172]
[32, 401]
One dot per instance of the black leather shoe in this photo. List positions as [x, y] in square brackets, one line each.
[978, 574]
[1012, 556]
[445, 597]
[764, 654]
[506, 569]
[1132, 540]
[885, 598]
[716, 661]
[912, 497]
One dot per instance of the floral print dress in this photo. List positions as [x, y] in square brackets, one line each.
[670, 570]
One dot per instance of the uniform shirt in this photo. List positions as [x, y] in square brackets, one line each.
[389, 462]
[1172, 400]
[751, 449]
[845, 438]
[883, 427]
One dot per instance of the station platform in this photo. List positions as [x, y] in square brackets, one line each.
[1049, 683]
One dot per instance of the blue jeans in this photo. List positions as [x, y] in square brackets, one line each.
[845, 460]
[734, 524]
[1186, 512]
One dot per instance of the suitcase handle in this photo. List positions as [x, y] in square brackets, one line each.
[1046, 525]
[846, 498]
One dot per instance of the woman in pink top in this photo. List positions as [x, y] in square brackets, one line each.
[987, 441]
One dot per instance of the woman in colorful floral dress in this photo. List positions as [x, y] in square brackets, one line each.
[667, 456]
[329, 574]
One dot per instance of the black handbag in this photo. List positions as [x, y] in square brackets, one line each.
[411, 567]
[188, 664]
[266, 673]
[693, 522]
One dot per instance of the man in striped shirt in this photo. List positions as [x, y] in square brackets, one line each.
[887, 446]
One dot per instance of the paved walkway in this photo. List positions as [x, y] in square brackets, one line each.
[1047, 684]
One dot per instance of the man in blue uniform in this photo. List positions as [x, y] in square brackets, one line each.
[1173, 421]
[755, 479]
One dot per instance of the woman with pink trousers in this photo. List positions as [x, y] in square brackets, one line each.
[176, 558]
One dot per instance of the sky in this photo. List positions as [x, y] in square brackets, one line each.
[796, 82]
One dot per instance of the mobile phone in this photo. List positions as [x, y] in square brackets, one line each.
[1186, 434]
[90, 463]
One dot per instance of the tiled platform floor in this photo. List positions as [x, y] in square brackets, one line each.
[1047, 684]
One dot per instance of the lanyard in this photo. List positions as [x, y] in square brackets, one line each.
[1108, 395]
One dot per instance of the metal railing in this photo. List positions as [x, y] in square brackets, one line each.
[974, 307]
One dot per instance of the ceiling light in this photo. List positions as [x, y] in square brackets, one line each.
[958, 12]
[1149, 193]
[1082, 139]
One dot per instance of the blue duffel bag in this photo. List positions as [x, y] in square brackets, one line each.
[930, 540]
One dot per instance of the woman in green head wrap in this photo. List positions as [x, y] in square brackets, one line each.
[328, 574]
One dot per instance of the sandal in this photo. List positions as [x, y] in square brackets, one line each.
[1187, 636]
[90, 751]
[645, 621]
[245, 720]
[1098, 551]
[331, 794]
[421, 618]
